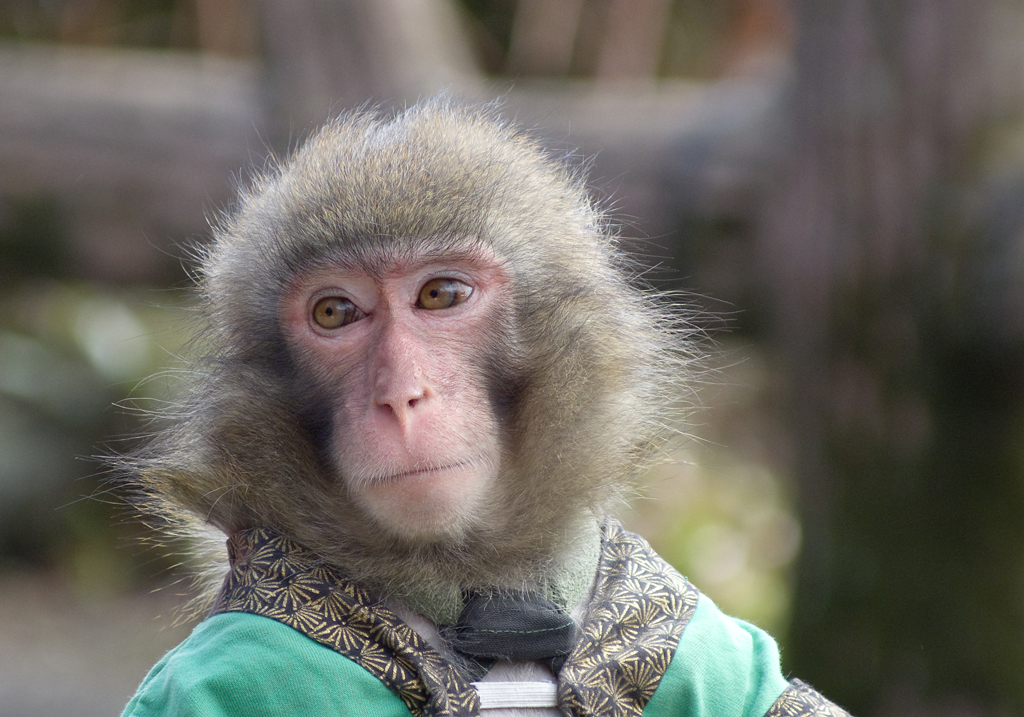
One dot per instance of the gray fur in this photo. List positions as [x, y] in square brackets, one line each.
[581, 370]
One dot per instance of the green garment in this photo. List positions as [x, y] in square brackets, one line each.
[238, 664]
[292, 636]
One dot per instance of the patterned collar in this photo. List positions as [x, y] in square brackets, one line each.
[641, 606]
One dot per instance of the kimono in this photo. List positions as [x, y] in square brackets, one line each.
[289, 636]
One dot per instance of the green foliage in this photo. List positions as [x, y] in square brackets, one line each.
[69, 351]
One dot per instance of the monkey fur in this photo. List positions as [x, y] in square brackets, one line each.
[580, 370]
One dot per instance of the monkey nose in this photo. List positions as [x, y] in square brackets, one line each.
[402, 410]
[401, 394]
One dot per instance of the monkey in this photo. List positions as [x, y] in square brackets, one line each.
[423, 375]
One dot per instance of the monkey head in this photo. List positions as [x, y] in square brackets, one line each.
[420, 354]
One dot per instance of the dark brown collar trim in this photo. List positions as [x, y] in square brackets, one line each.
[640, 608]
[802, 700]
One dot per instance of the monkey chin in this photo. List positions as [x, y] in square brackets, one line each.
[431, 504]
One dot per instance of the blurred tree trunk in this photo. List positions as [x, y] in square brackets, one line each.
[633, 39]
[543, 36]
[894, 304]
[326, 56]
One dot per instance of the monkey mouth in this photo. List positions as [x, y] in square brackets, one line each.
[418, 472]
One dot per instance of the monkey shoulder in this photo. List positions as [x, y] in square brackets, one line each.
[726, 666]
[717, 665]
[241, 664]
[721, 666]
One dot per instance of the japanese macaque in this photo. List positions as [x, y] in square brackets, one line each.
[423, 358]
[423, 375]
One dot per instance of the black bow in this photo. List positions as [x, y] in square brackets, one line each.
[510, 626]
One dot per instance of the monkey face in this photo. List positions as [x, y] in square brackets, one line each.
[396, 349]
[420, 354]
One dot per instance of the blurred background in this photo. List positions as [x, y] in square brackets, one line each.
[838, 185]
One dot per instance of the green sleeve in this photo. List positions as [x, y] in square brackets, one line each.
[723, 667]
[236, 664]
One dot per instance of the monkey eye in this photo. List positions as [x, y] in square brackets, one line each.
[333, 312]
[442, 293]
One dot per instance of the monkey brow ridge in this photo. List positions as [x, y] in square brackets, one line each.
[381, 256]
